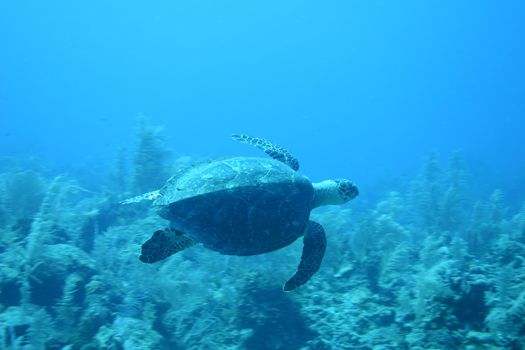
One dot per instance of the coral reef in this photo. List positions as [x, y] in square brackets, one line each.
[150, 161]
[426, 268]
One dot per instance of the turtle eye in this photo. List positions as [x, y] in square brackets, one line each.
[347, 189]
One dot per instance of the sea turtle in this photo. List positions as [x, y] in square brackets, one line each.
[245, 206]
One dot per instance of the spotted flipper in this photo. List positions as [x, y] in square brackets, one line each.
[143, 197]
[274, 151]
[164, 243]
[314, 246]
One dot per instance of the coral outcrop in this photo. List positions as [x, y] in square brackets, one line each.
[430, 267]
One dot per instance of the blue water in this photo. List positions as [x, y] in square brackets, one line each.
[360, 90]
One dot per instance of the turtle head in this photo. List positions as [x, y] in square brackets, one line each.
[337, 191]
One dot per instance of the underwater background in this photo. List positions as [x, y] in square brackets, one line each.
[421, 104]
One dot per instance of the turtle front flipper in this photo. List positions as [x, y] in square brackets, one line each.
[164, 243]
[314, 246]
[274, 151]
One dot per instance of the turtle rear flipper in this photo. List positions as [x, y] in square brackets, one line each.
[274, 151]
[143, 197]
[314, 246]
[164, 243]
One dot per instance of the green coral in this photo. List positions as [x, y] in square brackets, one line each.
[21, 194]
[427, 268]
[150, 161]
